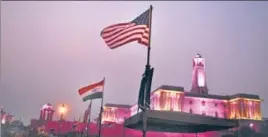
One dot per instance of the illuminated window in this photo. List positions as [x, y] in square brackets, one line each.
[191, 111]
[224, 115]
[203, 103]
[191, 102]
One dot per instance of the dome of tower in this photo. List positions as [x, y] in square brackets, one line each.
[48, 106]
[198, 55]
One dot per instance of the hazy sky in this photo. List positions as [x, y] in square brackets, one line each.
[50, 49]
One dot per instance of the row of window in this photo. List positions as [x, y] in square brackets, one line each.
[204, 103]
[204, 113]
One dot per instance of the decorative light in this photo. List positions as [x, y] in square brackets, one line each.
[62, 109]
[3, 121]
[251, 125]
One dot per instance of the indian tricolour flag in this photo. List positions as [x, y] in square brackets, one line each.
[92, 91]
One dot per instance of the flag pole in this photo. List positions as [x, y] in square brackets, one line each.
[88, 119]
[1, 121]
[150, 32]
[101, 110]
[146, 70]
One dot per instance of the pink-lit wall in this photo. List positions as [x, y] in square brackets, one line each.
[122, 114]
[115, 114]
[205, 106]
[6, 118]
[46, 114]
[245, 109]
[177, 101]
[109, 114]
[134, 109]
[116, 130]
[165, 100]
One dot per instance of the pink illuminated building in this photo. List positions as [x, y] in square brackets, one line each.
[5, 117]
[199, 84]
[116, 113]
[46, 112]
[245, 107]
[197, 100]
[46, 115]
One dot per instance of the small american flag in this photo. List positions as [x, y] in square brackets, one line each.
[122, 33]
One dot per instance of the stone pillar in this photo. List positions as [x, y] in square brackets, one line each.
[41, 114]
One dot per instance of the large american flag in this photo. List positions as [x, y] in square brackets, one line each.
[122, 33]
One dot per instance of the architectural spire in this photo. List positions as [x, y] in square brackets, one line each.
[198, 76]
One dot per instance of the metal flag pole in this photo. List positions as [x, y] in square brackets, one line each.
[150, 32]
[101, 110]
[1, 121]
[147, 70]
[100, 117]
[124, 128]
[88, 119]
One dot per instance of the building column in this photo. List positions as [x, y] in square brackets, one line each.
[41, 114]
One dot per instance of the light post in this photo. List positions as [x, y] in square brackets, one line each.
[86, 131]
[124, 128]
[62, 111]
[1, 121]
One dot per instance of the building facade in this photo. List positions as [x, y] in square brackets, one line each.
[5, 117]
[46, 115]
[116, 113]
[197, 100]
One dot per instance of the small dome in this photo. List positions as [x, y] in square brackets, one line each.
[198, 55]
[48, 106]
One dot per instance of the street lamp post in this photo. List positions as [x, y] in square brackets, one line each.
[62, 111]
[86, 131]
[1, 121]
[124, 128]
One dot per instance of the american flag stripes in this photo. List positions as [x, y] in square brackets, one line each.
[122, 33]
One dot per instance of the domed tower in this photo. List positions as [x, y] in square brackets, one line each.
[198, 77]
[46, 112]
